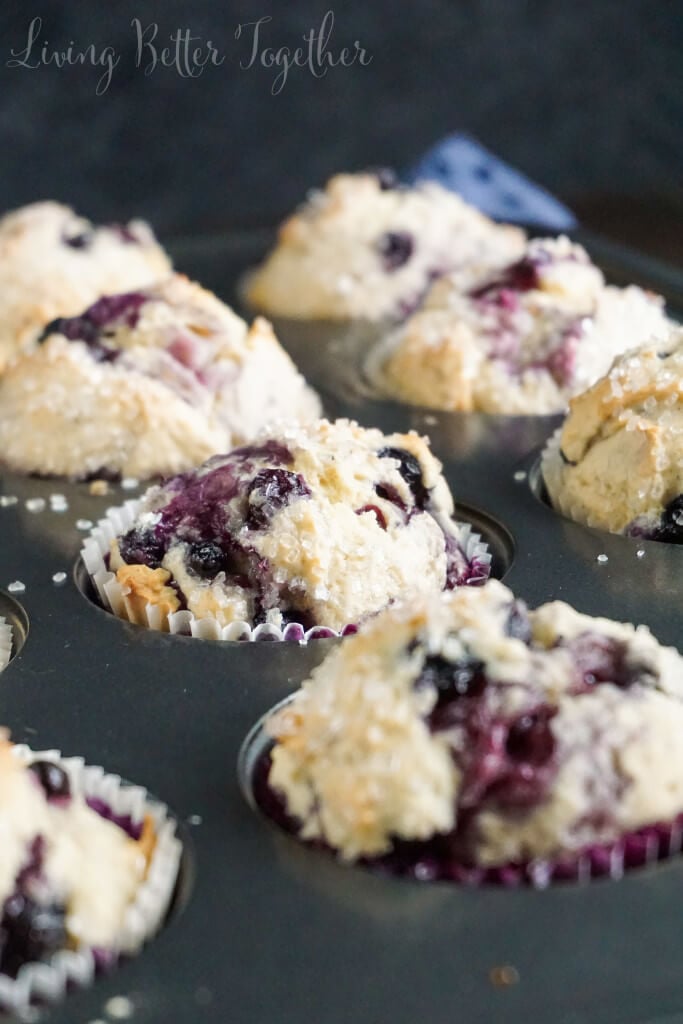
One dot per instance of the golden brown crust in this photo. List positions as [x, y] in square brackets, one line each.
[143, 586]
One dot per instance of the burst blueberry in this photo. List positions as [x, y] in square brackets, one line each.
[270, 491]
[206, 559]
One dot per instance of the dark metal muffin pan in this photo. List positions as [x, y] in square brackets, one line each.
[271, 932]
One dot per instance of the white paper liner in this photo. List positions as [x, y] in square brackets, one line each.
[552, 468]
[117, 521]
[5, 643]
[48, 982]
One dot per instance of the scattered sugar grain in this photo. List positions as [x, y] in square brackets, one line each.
[35, 504]
[519, 476]
[119, 1008]
[129, 483]
[7, 500]
[602, 559]
[17, 587]
[58, 503]
[194, 819]
[640, 553]
[58, 578]
[84, 524]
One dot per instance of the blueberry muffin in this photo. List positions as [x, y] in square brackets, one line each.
[71, 867]
[366, 248]
[145, 383]
[518, 341]
[617, 463]
[55, 263]
[463, 734]
[320, 525]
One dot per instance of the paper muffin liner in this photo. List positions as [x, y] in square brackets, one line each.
[611, 860]
[48, 982]
[552, 471]
[114, 598]
[638, 848]
[5, 643]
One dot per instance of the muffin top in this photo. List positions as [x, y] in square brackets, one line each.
[67, 873]
[520, 340]
[145, 383]
[55, 263]
[618, 463]
[367, 248]
[320, 525]
[509, 734]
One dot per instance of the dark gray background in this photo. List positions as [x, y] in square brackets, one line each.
[583, 95]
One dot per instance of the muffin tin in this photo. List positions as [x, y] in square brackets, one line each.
[265, 930]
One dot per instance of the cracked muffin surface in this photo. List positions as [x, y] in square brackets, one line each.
[520, 340]
[367, 248]
[465, 727]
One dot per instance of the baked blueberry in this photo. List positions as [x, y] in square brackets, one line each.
[395, 248]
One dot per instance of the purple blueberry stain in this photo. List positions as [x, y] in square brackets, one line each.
[530, 738]
[602, 659]
[376, 511]
[124, 233]
[395, 249]
[91, 327]
[132, 828]
[522, 276]
[517, 624]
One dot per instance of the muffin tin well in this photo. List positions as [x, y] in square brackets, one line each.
[272, 932]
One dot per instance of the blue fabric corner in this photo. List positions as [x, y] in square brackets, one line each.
[463, 165]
